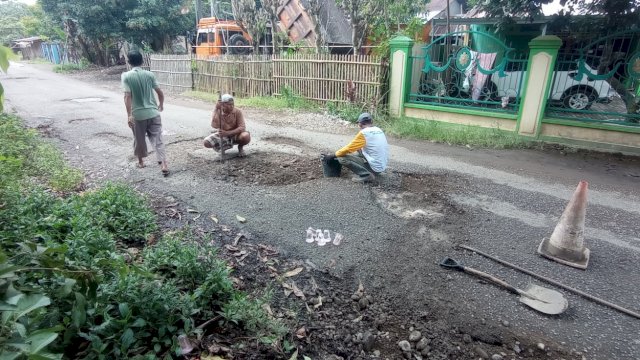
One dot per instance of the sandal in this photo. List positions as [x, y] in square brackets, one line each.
[165, 172]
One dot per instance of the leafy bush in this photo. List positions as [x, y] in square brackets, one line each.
[348, 112]
[68, 68]
[89, 245]
[26, 216]
[251, 315]
[65, 290]
[120, 210]
[293, 100]
[194, 267]
[34, 277]
[137, 315]
[47, 160]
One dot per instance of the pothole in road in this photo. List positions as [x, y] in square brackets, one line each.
[425, 201]
[417, 196]
[262, 168]
[282, 140]
[47, 130]
[79, 120]
[111, 136]
[87, 99]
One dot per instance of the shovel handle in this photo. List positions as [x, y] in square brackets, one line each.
[492, 279]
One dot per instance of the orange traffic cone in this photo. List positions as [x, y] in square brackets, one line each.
[566, 243]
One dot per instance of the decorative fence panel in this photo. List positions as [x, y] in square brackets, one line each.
[468, 69]
[330, 78]
[244, 76]
[173, 72]
[597, 81]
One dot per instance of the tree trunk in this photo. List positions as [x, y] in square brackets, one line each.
[86, 50]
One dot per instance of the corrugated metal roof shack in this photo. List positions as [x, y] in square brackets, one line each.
[30, 47]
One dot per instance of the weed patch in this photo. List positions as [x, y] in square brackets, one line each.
[348, 112]
[455, 134]
[249, 313]
[24, 157]
[120, 210]
[69, 68]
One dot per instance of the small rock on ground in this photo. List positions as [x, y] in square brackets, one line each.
[415, 336]
[405, 345]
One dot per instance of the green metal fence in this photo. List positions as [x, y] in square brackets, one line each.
[468, 69]
[597, 80]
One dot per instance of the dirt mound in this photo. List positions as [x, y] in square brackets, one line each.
[272, 169]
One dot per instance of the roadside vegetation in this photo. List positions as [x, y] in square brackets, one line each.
[402, 127]
[71, 67]
[453, 134]
[78, 278]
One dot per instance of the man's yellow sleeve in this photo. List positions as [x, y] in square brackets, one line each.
[356, 144]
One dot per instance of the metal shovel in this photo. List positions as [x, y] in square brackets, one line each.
[545, 300]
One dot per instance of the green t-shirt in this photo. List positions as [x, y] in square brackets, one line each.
[140, 83]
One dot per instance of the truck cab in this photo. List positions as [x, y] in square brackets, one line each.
[218, 37]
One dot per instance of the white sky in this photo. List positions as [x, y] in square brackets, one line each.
[549, 9]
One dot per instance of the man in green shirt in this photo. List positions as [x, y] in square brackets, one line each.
[143, 111]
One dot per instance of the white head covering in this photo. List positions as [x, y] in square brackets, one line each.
[226, 98]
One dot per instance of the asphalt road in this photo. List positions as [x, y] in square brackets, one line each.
[501, 202]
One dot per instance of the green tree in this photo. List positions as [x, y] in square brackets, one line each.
[93, 27]
[157, 22]
[38, 23]
[383, 18]
[618, 14]
[10, 26]
[98, 28]
[251, 16]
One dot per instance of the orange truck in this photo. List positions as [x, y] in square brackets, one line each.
[218, 37]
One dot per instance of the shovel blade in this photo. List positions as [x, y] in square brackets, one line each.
[545, 300]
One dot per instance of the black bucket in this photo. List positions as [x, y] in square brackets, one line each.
[331, 168]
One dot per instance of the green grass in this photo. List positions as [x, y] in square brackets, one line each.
[454, 134]
[23, 157]
[68, 68]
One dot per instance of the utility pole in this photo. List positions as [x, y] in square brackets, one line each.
[211, 2]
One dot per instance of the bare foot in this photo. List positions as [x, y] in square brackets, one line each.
[241, 153]
[140, 165]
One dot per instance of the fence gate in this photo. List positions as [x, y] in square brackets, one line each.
[597, 81]
[468, 69]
